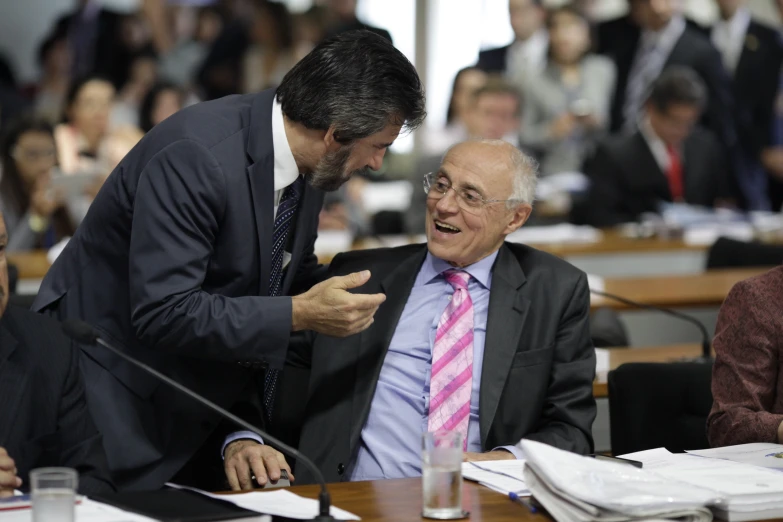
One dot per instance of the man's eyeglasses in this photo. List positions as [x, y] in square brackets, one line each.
[469, 200]
[31, 155]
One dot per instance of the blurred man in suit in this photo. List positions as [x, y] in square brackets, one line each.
[752, 56]
[190, 254]
[44, 420]
[476, 335]
[343, 14]
[527, 53]
[668, 158]
[665, 39]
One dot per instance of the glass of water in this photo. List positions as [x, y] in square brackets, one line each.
[441, 479]
[53, 492]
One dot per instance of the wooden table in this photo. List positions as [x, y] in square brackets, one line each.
[31, 265]
[620, 356]
[400, 499]
[701, 290]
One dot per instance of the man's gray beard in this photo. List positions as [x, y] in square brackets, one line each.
[329, 175]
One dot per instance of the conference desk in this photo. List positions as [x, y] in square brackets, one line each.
[400, 500]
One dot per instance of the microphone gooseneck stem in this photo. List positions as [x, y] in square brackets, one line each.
[706, 344]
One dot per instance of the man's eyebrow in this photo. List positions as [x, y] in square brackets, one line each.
[471, 186]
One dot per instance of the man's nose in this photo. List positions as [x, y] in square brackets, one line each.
[376, 162]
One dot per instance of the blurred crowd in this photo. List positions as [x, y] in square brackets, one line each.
[622, 115]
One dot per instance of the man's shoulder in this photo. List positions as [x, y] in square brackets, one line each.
[379, 260]
[539, 265]
[207, 123]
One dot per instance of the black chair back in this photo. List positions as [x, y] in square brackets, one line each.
[730, 253]
[653, 405]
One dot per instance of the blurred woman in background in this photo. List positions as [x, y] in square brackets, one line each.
[466, 82]
[271, 53]
[566, 107]
[86, 122]
[35, 213]
[163, 100]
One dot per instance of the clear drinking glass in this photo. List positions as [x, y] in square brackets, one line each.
[53, 492]
[441, 479]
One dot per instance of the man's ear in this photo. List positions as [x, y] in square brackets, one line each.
[520, 215]
[330, 141]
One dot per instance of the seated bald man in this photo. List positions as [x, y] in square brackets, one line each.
[476, 335]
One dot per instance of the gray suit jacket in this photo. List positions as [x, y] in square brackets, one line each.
[172, 263]
[546, 98]
[539, 362]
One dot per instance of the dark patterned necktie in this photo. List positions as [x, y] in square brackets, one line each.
[286, 211]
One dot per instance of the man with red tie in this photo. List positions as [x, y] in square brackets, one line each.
[487, 338]
[668, 159]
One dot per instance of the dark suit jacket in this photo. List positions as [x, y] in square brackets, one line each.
[539, 362]
[626, 181]
[172, 263]
[692, 50]
[44, 419]
[493, 60]
[755, 86]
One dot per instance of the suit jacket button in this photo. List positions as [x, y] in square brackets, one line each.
[340, 469]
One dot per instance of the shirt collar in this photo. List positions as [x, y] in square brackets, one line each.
[286, 170]
[481, 270]
[737, 24]
[666, 38]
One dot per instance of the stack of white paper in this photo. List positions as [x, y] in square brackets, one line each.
[574, 488]
[504, 476]
[764, 454]
[746, 492]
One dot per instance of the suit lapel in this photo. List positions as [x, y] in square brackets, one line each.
[261, 175]
[645, 169]
[505, 319]
[13, 381]
[750, 46]
[374, 342]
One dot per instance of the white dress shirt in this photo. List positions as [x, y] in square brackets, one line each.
[656, 145]
[728, 36]
[285, 168]
[527, 57]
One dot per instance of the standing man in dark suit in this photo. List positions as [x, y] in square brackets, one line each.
[527, 53]
[44, 420]
[666, 39]
[752, 56]
[476, 335]
[190, 254]
[668, 158]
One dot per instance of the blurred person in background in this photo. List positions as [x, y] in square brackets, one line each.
[86, 121]
[194, 30]
[35, 214]
[566, 107]
[342, 17]
[466, 82]
[527, 53]
[309, 30]
[752, 55]
[162, 100]
[127, 104]
[271, 52]
[54, 59]
[668, 159]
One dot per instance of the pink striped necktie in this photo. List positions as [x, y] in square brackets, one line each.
[451, 383]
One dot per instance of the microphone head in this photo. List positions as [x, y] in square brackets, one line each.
[80, 331]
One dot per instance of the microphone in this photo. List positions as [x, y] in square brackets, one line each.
[84, 333]
[706, 343]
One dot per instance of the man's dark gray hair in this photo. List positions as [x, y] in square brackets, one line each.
[358, 82]
[678, 85]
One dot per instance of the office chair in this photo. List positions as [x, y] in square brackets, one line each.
[653, 405]
[730, 253]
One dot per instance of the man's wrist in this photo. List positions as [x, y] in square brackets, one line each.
[299, 313]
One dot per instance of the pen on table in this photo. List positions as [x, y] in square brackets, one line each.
[520, 500]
